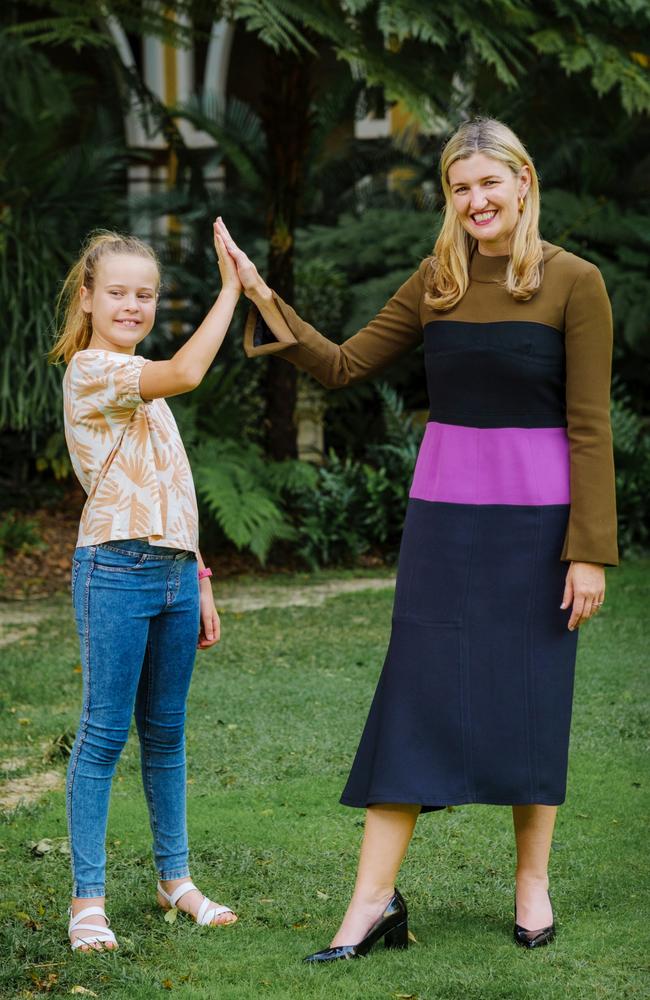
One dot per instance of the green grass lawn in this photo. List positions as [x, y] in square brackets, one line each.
[274, 719]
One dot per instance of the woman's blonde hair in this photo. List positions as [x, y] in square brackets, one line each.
[448, 278]
[74, 326]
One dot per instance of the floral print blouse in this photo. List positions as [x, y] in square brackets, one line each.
[127, 454]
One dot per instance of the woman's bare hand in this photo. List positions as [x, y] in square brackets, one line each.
[585, 589]
[249, 276]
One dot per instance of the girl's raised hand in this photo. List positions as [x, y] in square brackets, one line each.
[227, 266]
[249, 276]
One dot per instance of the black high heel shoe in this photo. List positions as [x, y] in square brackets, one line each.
[392, 926]
[533, 939]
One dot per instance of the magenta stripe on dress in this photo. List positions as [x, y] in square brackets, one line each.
[526, 466]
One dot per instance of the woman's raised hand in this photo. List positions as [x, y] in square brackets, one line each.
[227, 266]
[249, 277]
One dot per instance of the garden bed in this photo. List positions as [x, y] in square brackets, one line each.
[42, 569]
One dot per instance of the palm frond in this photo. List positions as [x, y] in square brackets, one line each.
[236, 128]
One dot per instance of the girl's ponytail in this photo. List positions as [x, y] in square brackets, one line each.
[74, 325]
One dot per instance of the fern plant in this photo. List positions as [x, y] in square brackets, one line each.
[243, 491]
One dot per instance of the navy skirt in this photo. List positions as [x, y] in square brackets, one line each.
[474, 700]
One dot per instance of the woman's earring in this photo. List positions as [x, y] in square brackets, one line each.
[521, 204]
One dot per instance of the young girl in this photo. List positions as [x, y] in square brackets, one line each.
[141, 593]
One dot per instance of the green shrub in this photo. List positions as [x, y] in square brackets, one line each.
[59, 179]
[53, 457]
[322, 295]
[632, 458]
[393, 461]
[330, 523]
[360, 504]
[18, 534]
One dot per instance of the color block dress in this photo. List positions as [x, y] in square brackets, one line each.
[514, 479]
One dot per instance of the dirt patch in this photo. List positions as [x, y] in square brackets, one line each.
[14, 764]
[13, 636]
[18, 622]
[24, 791]
[312, 595]
[20, 614]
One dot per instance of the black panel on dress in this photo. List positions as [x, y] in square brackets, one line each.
[474, 700]
[509, 374]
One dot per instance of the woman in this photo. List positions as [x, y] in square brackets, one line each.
[514, 480]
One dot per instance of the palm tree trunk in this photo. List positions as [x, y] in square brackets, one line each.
[286, 117]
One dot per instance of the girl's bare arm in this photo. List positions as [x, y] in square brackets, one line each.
[186, 369]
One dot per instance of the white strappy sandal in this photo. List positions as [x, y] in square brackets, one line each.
[100, 935]
[207, 910]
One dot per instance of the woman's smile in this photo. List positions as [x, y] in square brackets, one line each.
[484, 218]
[486, 194]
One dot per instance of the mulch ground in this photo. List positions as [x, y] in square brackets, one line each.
[45, 570]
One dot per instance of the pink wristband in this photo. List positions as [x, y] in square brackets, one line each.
[203, 573]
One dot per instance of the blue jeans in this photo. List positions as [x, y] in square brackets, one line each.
[137, 612]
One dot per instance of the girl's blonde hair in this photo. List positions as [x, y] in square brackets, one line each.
[75, 329]
[448, 278]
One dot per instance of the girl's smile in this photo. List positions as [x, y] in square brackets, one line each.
[122, 302]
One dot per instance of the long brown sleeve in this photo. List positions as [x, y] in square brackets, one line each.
[591, 534]
[573, 299]
[395, 330]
